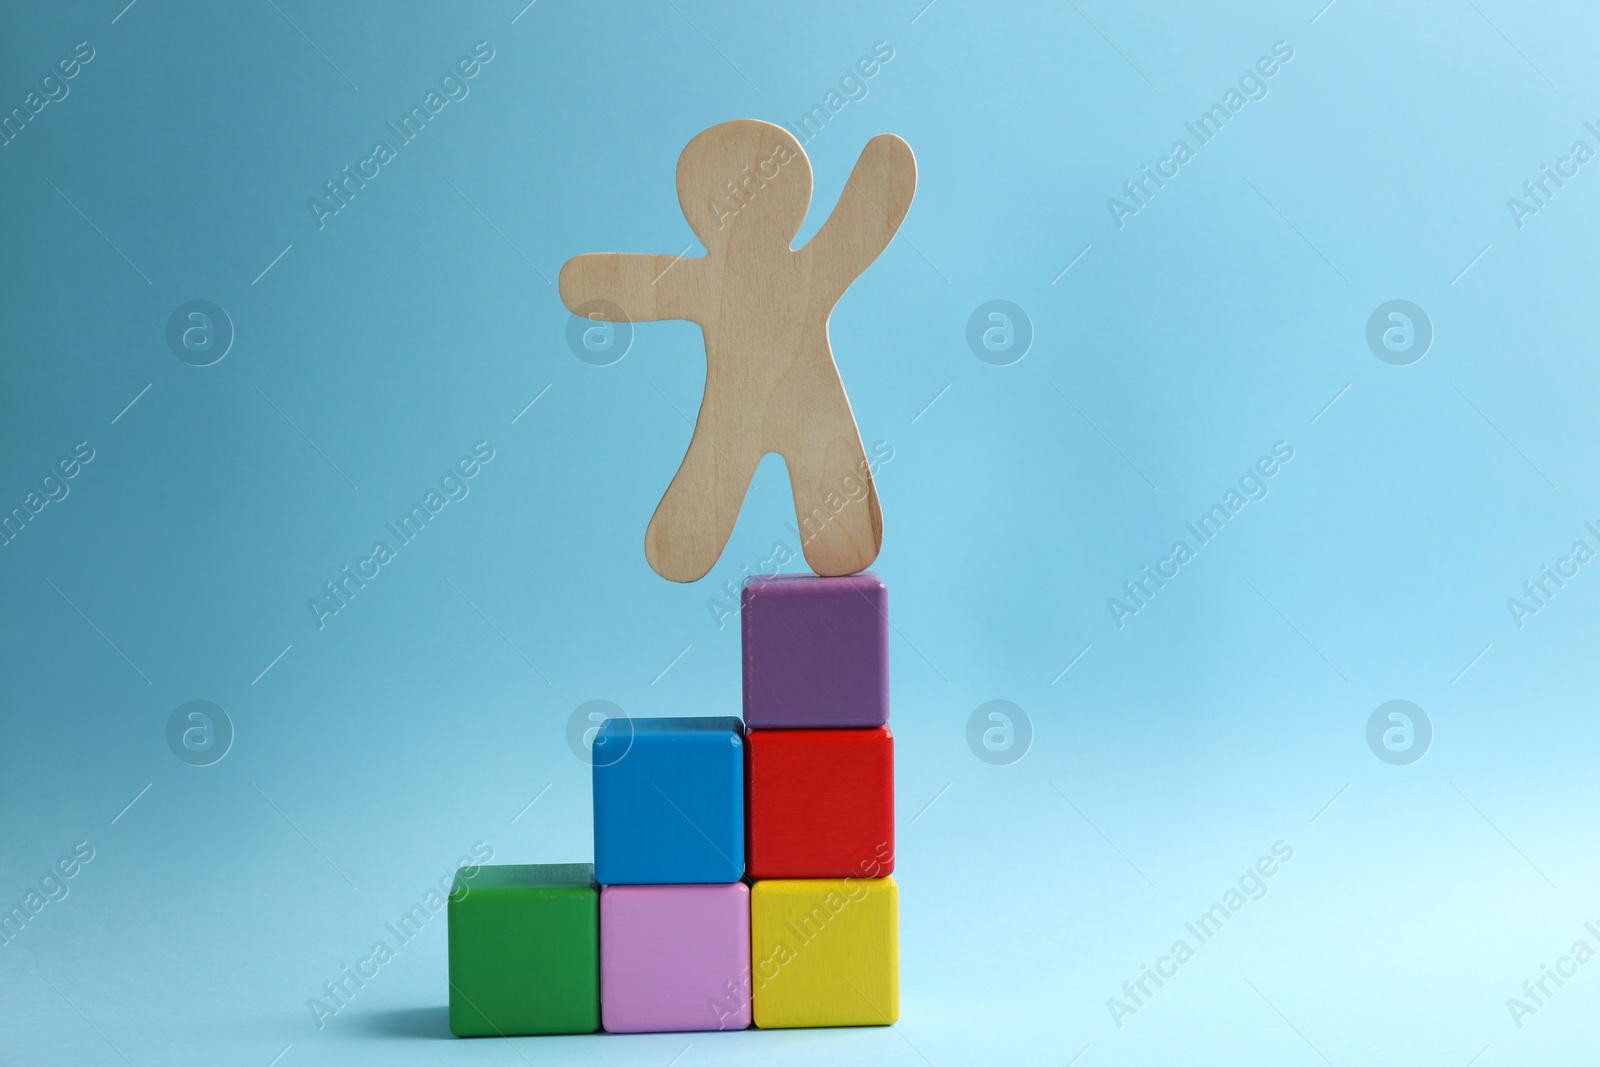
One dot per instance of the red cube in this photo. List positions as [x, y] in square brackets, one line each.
[819, 803]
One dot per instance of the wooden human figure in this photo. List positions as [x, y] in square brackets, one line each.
[771, 383]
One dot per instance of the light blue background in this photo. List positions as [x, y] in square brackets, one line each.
[424, 718]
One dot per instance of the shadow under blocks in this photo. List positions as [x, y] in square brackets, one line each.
[742, 870]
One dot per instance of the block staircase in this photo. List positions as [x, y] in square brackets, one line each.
[742, 870]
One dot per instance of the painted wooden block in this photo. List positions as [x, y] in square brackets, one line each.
[763, 307]
[825, 952]
[675, 957]
[819, 803]
[524, 950]
[816, 651]
[668, 801]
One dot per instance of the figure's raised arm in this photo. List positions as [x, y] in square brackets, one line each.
[874, 203]
[645, 287]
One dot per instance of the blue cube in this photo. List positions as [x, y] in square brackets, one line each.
[668, 801]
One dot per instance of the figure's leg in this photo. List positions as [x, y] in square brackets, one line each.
[696, 515]
[835, 502]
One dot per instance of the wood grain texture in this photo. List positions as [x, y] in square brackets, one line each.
[771, 382]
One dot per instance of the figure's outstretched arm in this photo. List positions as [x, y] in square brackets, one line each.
[645, 287]
[874, 203]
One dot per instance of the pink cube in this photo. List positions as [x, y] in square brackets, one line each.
[674, 957]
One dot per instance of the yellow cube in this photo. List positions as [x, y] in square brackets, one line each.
[825, 951]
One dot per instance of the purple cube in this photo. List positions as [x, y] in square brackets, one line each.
[816, 651]
[674, 957]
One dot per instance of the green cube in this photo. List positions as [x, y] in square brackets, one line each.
[525, 950]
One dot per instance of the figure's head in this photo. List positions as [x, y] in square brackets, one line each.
[746, 177]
